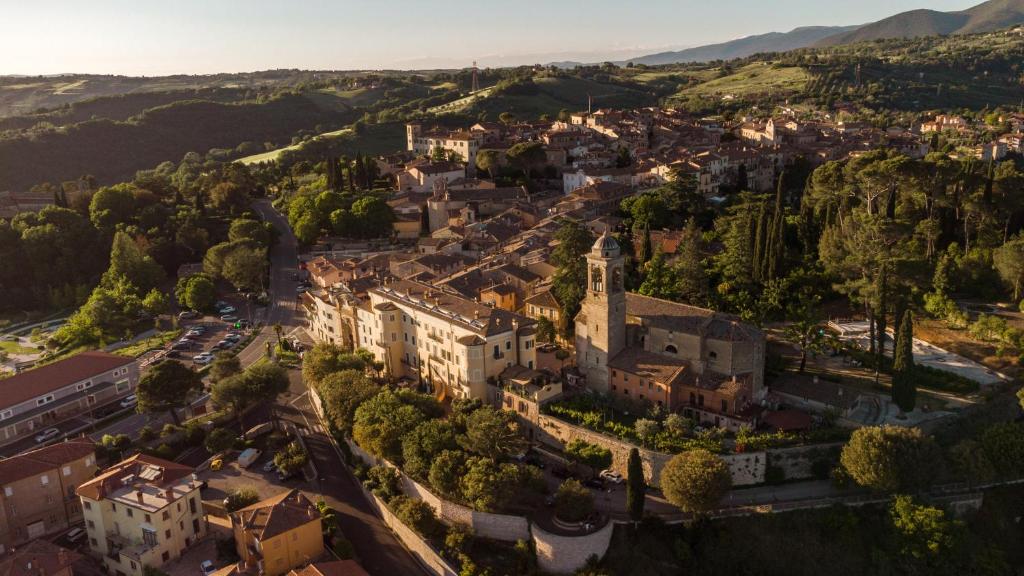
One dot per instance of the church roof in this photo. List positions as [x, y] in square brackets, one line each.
[677, 317]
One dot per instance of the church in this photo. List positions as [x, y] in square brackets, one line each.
[703, 364]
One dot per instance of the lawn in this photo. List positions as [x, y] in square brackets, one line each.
[273, 154]
[16, 348]
[757, 78]
[142, 346]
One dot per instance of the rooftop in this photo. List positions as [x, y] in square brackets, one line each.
[483, 320]
[144, 482]
[277, 515]
[28, 385]
[41, 460]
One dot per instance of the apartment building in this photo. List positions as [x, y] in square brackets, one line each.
[38, 491]
[278, 534]
[423, 333]
[39, 558]
[465, 144]
[40, 398]
[143, 511]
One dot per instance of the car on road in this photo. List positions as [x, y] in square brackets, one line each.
[47, 435]
[611, 476]
[203, 359]
[229, 318]
[207, 567]
[130, 401]
[74, 535]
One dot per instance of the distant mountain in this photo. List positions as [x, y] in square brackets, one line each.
[985, 17]
[770, 42]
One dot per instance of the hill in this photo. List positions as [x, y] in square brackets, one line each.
[985, 17]
[743, 47]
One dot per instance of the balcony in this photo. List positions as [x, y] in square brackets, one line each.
[498, 355]
[435, 337]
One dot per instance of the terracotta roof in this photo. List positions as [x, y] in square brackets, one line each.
[690, 319]
[39, 461]
[28, 385]
[664, 369]
[111, 478]
[278, 514]
[482, 320]
[544, 299]
[38, 558]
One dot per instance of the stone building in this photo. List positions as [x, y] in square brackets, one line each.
[707, 365]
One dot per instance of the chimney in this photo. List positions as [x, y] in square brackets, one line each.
[169, 494]
[138, 495]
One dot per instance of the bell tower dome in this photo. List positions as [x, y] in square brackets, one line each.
[601, 323]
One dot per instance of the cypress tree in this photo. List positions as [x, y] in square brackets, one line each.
[646, 246]
[776, 241]
[904, 391]
[760, 240]
[636, 486]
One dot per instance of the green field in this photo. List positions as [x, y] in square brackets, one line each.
[16, 348]
[757, 78]
[273, 154]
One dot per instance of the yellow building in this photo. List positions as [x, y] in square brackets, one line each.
[143, 511]
[278, 534]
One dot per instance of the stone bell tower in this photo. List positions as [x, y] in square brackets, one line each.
[601, 323]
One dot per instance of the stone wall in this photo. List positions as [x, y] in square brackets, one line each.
[797, 463]
[419, 547]
[747, 469]
[566, 554]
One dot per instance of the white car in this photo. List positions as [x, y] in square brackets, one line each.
[610, 475]
[75, 534]
[207, 567]
[130, 401]
[203, 359]
[46, 435]
[269, 466]
[227, 310]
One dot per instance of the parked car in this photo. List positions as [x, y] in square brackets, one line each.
[224, 345]
[229, 318]
[248, 456]
[207, 567]
[173, 354]
[220, 304]
[194, 333]
[203, 359]
[130, 401]
[282, 475]
[47, 435]
[269, 466]
[233, 338]
[183, 345]
[611, 476]
[227, 310]
[75, 534]
[187, 314]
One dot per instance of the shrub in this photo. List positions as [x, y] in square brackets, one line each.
[220, 440]
[169, 430]
[383, 481]
[418, 515]
[146, 434]
[291, 459]
[573, 502]
[240, 498]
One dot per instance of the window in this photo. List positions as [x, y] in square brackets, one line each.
[66, 470]
[712, 355]
[508, 345]
[8, 491]
[725, 405]
[44, 400]
[149, 537]
[88, 505]
[129, 512]
[166, 515]
[91, 524]
[149, 519]
[192, 504]
[6, 414]
[671, 349]
[195, 526]
[167, 534]
[44, 480]
[165, 556]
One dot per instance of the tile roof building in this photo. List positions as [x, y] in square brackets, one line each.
[42, 397]
[143, 511]
[38, 490]
[708, 365]
[278, 534]
[39, 558]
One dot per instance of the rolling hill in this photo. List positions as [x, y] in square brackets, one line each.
[985, 17]
[743, 47]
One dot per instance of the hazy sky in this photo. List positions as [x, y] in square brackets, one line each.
[154, 37]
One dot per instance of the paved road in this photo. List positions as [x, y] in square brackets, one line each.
[380, 553]
[283, 262]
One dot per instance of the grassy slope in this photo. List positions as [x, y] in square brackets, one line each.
[555, 93]
[756, 78]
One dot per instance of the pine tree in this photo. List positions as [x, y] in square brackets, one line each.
[693, 278]
[904, 390]
[636, 486]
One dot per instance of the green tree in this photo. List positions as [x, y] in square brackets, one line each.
[166, 387]
[307, 229]
[545, 330]
[446, 472]
[196, 292]
[636, 486]
[422, 445]
[804, 313]
[695, 480]
[1003, 444]
[927, 540]
[220, 440]
[223, 366]
[660, 280]
[488, 161]
[1008, 260]
[228, 197]
[527, 156]
[904, 389]
[111, 206]
[573, 502]
[382, 421]
[129, 263]
[890, 458]
[245, 268]
[240, 498]
[595, 457]
[248, 229]
[342, 392]
[490, 486]
[570, 278]
[492, 433]
[292, 459]
[691, 276]
[970, 461]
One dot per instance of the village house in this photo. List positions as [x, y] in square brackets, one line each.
[43, 397]
[279, 534]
